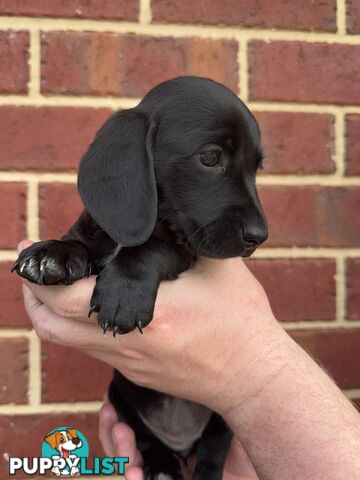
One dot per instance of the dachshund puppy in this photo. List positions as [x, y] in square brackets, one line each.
[162, 183]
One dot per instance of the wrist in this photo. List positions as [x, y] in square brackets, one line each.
[259, 360]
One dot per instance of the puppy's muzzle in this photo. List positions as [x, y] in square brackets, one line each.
[252, 236]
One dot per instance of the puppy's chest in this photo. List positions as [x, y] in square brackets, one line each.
[177, 423]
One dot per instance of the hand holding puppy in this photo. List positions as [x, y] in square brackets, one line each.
[270, 392]
[198, 363]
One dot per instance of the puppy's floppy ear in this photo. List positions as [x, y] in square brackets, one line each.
[117, 181]
[71, 432]
[53, 440]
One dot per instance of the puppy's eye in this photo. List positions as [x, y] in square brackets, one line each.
[211, 158]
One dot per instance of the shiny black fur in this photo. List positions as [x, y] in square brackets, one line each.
[154, 202]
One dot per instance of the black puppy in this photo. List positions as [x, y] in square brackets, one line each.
[162, 183]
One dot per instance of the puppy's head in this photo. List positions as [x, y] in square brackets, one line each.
[187, 155]
[64, 441]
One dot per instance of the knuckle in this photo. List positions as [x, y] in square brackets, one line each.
[132, 353]
[42, 330]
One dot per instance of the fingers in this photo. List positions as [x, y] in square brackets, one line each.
[238, 464]
[134, 473]
[118, 440]
[57, 329]
[107, 419]
[124, 438]
[24, 244]
[71, 301]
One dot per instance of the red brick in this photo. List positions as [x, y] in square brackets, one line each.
[352, 131]
[353, 288]
[13, 217]
[17, 430]
[12, 311]
[60, 207]
[14, 53]
[297, 142]
[313, 216]
[305, 15]
[353, 16]
[63, 378]
[107, 9]
[304, 72]
[356, 403]
[337, 350]
[129, 65]
[13, 370]
[46, 138]
[300, 289]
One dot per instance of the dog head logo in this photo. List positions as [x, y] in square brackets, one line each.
[64, 441]
[65, 446]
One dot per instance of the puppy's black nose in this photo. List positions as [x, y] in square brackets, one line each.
[254, 235]
[75, 440]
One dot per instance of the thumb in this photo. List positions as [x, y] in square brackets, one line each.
[238, 464]
[24, 244]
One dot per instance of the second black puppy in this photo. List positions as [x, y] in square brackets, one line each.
[162, 183]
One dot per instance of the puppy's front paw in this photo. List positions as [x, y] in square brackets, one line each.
[123, 303]
[53, 262]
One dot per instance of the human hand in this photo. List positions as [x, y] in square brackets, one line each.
[118, 439]
[211, 328]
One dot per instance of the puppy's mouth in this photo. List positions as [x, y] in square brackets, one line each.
[210, 241]
[248, 251]
[221, 248]
[65, 453]
[225, 252]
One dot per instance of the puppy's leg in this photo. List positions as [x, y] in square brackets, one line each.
[160, 463]
[80, 252]
[212, 449]
[126, 289]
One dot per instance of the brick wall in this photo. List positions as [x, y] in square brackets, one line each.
[65, 65]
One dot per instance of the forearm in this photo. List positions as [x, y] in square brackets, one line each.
[292, 419]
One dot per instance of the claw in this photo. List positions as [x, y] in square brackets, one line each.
[88, 270]
[16, 264]
[105, 327]
[42, 271]
[139, 326]
[92, 309]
